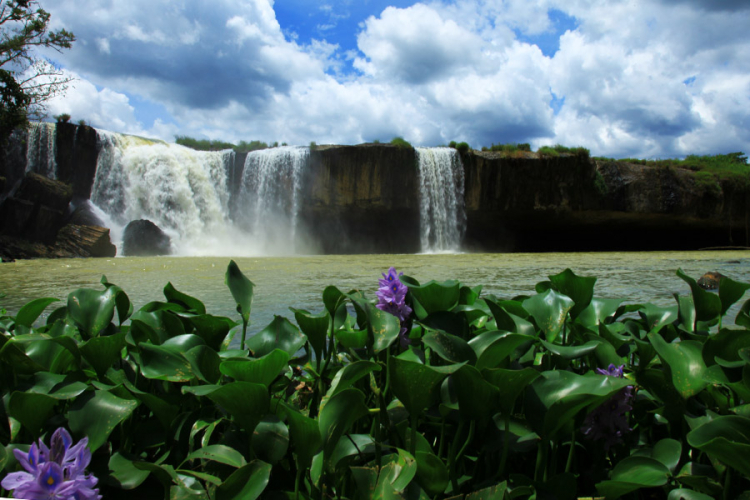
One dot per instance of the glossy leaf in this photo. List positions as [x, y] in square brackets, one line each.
[348, 376]
[32, 310]
[241, 289]
[342, 410]
[92, 310]
[316, 327]
[247, 483]
[510, 384]
[686, 494]
[685, 363]
[549, 309]
[477, 398]
[707, 305]
[245, 401]
[634, 473]
[432, 474]
[305, 435]
[449, 347]
[191, 304]
[102, 352]
[725, 438]
[383, 327]
[598, 311]
[656, 317]
[725, 345]
[96, 414]
[271, 439]
[492, 348]
[204, 363]
[260, 371]
[218, 453]
[126, 475]
[434, 296]
[32, 410]
[165, 363]
[279, 334]
[212, 329]
[416, 385]
[579, 288]
[571, 351]
[667, 451]
[557, 396]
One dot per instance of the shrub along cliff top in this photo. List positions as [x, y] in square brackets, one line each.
[216, 145]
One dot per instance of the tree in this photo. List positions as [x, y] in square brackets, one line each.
[27, 81]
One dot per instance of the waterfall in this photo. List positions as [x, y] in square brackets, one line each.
[269, 197]
[41, 148]
[184, 192]
[441, 199]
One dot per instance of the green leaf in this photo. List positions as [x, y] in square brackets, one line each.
[316, 327]
[31, 311]
[279, 334]
[212, 329]
[580, 289]
[218, 453]
[245, 401]
[383, 327]
[91, 310]
[416, 385]
[432, 474]
[510, 384]
[260, 371]
[399, 468]
[707, 305]
[165, 363]
[204, 362]
[241, 288]
[725, 345]
[686, 494]
[688, 371]
[477, 398]
[95, 415]
[333, 298]
[122, 301]
[449, 347]
[549, 309]
[342, 410]
[124, 473]
[352, 339]
[743, 317]
[634, 473]
[571, 351]
[189, 303]
[730, 291]
[246, 483]
[305, 435]
[556, 397]
[271, 439]
[507, 321]
[493, 347]
[434, 296]
[725, 438]
[102, 352]
[656, 317]
[31, 409]
[598, 311]
[348, 376]
[164, 412]
[667, 451]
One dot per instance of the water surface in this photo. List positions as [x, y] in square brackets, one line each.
[283, 282]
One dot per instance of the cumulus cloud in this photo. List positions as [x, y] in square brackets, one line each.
[636, 78]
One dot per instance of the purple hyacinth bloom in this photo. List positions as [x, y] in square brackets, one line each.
[54, 473]
[392, 299]
[609, 421]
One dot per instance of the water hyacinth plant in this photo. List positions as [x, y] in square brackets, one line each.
[54, 473]
[555, 394]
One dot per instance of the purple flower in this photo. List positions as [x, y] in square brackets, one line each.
[609, 421]
[392, 299]
[54, 473]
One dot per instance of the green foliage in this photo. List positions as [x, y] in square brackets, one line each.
[493, 398]
[548, 151]
[62, 118]
[509, 148]
[559, 149]
[313, 146]
[216, 145]
[27, 82]
[400, 142]
[463, 147]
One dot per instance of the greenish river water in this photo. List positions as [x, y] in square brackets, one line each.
[283, 282]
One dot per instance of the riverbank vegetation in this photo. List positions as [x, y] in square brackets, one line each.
[216, 145]
[433, 390]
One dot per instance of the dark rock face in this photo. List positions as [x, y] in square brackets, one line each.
[361, 199]
[76, 157]
[144, 238]
[85, 241]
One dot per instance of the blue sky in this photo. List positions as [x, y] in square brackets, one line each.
[658, 78]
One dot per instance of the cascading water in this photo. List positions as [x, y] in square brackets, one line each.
[268, 197]
[40, 149]
[184, 192]
[441, 199]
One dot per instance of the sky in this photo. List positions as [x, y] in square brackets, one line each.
[624, 78]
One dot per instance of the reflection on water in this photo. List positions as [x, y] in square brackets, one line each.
[283, 282]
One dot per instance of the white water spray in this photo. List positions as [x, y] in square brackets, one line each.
[269, 197]
[441, 199]
[41, 145]
[184, 192]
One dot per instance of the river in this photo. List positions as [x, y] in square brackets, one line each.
[283, 282]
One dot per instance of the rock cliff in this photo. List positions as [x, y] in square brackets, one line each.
[366, 199]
